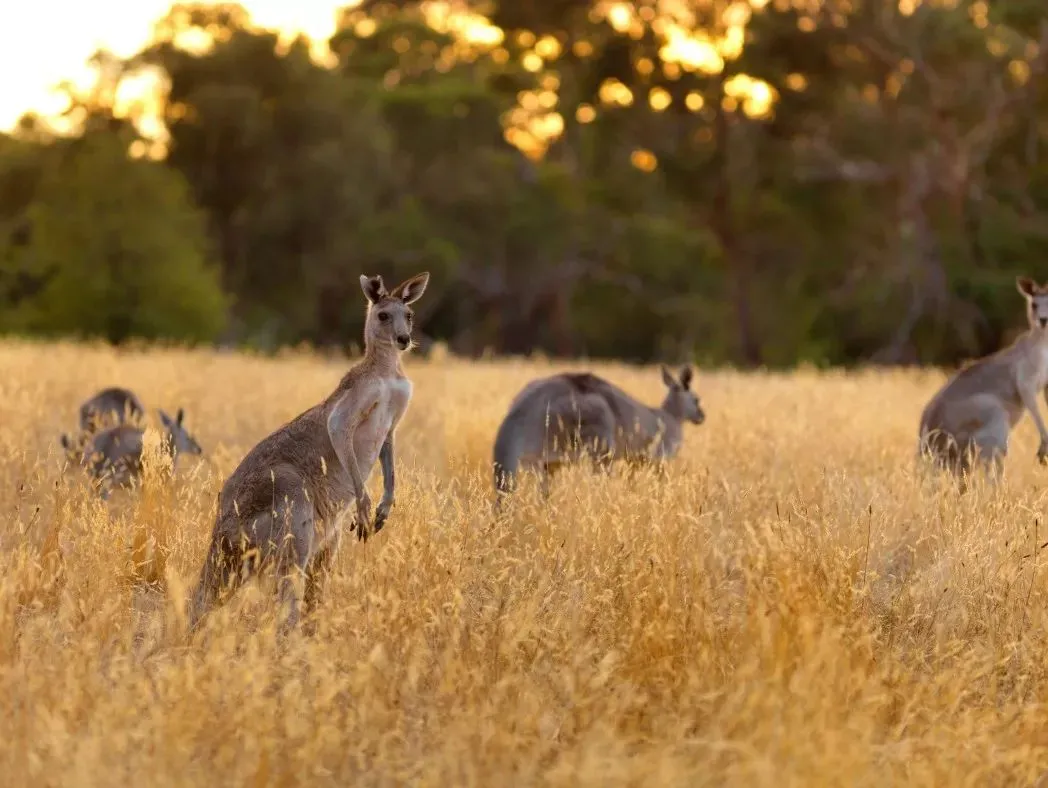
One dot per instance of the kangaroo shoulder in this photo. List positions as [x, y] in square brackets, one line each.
[351, 402]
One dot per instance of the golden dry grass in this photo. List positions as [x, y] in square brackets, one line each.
[794, 606]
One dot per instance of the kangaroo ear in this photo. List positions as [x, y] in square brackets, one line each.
[164, 418]
[686, 376]
[667, 378]
[179, 416]
[1026, 286]
[65, 442]
[412, 289]
[373, 288]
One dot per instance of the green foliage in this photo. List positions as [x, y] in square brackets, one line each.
[880, 211]
[115, 250]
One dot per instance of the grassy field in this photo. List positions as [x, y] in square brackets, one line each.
[795, 605]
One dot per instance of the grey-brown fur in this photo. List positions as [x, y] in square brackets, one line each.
[113, 456]
[572, 416]
[970, 418]
[281, 505]
[110, 407]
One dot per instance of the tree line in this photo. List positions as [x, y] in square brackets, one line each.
[764, 182]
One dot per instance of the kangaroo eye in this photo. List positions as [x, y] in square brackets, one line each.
[383, 316]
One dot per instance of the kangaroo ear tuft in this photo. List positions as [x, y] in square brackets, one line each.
[667, 377]
[1026, 286]
[686, 375]
[411, 290]
[179, 416]
[373, 287]
[65, 442]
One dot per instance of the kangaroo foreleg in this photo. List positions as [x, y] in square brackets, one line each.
[295, 554]
[342, 425]
[1029, 399]
[385, 457]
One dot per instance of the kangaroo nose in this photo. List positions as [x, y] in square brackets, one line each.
[403, 340]
[1044, 321]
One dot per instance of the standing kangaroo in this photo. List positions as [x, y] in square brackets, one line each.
[108, 408]
[281, 504]
[564, 418]
[114, 455]
[971, 416]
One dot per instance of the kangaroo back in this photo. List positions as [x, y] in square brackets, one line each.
[626, 410]
[109, 407]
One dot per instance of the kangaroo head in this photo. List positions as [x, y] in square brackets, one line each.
[389, 319]
[73, 447]
[680, 400]
[1036, 301]
[179, 441]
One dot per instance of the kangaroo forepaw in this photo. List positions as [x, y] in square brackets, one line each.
[381, 515]
[380, 520]
[366, 529]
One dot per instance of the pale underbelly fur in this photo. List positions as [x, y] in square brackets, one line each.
[371, 433]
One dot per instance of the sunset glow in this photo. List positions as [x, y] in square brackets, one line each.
[124, 26]
[46, 43]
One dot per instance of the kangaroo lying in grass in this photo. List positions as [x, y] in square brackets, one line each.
[968, 421]
[113, 457]
[281, 505]
[568, 417]
[110, 407]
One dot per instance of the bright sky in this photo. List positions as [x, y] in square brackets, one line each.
[43, 42]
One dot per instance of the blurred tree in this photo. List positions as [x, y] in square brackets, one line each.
[107, 247]
[281, 159]
[758, 183]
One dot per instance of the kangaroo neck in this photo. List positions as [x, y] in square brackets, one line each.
[671, 431]
[1037, 336]
[383, 358]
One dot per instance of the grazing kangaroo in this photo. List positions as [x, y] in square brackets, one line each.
[970, 418]
[114, 455]
[108, 408]
[282, 504]
[564, 418]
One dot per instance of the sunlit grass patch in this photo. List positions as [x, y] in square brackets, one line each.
[795, 604]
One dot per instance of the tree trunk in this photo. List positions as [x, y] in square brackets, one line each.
[735, 257]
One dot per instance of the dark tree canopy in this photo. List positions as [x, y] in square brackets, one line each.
[836, 182]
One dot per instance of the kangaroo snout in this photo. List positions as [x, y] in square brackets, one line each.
[1043, 321]
[403, 340]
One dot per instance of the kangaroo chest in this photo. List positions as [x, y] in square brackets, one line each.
[1039, 367]
[1029, 373]
[381, 416]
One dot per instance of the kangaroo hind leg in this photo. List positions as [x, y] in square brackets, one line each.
[294, 555]
[221, 572]
[990, 443]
